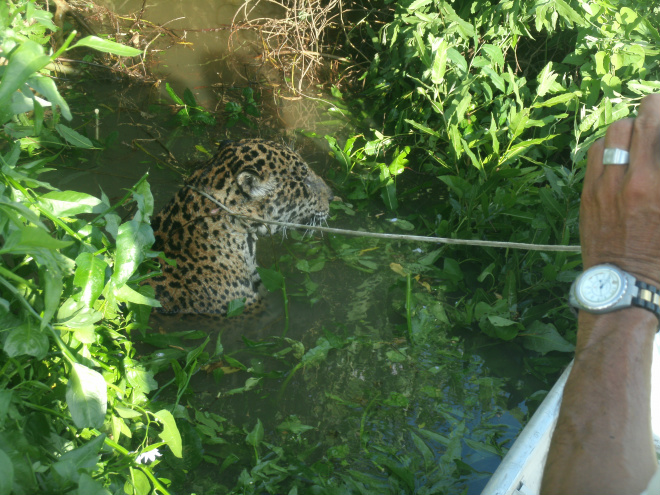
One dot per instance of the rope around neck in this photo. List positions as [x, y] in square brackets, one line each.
[402, 237]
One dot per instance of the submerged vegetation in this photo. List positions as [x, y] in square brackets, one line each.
[471, 121]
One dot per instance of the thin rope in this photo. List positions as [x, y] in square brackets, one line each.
[401, 237]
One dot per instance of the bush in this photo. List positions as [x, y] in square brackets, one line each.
[74, 416]
[493, 105]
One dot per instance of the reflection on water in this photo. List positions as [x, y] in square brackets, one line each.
[368, 405]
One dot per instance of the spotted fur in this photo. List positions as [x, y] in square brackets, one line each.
[215, 252]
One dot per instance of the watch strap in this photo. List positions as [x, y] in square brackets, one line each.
[648, 297]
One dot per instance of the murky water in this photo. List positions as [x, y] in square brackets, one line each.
[374, 404]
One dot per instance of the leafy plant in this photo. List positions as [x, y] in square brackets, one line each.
[189, 112]
[493, 106]
[241, 111]
[74, 413]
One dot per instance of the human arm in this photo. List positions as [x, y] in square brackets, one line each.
[603, 442]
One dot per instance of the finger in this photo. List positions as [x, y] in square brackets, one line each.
[645, 142]
[594, 163]
[618, 136]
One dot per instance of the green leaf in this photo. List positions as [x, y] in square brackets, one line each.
[611, 86]
[139, 378]
[88, 486]
[174, 96]
[235, 307]
[133, 241]
[256, 436]
[294, 425]
[26, 339]
[644, 87]
[272, 279]
[170, 434]
[439, 61]
[426, 452]
[399, 163]
[53, 284]
[137, 484]
[544, 337]
[423, 128]
[144, 199]
[74, 138]
[495, 54]
[189, 98]
[31, 237]
[84, 458]
[557, 100]
[89, 277]
[402, 224]
[317, 354]
[495, 78]
[388, 194]
[69, 203]
[6, 474]
[5, 401]
[499, 327]
[569, 14]
[87, 397]
[107, 46]
[27, 59]
[546, 79]
[126, 294]
[309, 266]
[46, 87]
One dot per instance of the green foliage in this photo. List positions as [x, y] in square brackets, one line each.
[74, 415]
[241, 111]
[494, 106]
[189, 112]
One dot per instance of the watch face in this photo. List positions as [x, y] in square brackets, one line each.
[600, 287]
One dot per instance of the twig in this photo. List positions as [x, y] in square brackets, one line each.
[401, 237]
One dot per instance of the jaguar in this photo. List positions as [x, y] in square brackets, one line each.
[214, 248]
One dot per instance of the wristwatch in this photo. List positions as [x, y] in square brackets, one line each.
[605, 288]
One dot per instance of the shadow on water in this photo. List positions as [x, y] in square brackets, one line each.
[341, 392]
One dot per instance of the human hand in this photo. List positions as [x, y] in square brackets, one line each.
[620, 209]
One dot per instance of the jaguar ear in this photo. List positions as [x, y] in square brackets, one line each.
[252, 184]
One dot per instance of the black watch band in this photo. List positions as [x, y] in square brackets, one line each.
[648, 297]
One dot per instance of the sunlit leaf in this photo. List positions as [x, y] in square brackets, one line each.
[69, 203]
[127, 294]
[495, 54]
[138, 483]
[107, 46]
[32, 237]
[26, 339]
[27, 59]
[89, 277]
[87, 397]
[170, 434]
[133, 240]
[46, 87]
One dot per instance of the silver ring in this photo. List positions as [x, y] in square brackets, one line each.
[615, 156]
